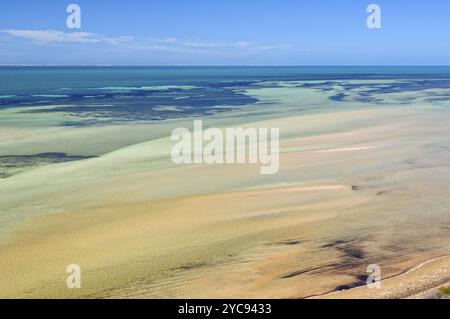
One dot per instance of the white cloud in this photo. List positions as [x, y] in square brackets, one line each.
[132, 43]
[53, 36]
[217, 44]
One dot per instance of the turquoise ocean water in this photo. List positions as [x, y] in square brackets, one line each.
[122, 94]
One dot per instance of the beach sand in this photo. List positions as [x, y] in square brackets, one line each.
[355, 187]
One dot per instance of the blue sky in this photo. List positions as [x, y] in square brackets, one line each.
[227, 32]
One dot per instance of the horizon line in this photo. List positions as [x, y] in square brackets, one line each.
[222, 65]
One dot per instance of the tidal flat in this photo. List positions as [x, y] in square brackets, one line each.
[87, 178]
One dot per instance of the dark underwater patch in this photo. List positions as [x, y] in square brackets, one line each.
[102, 106]
[14, 164]
[373, 92]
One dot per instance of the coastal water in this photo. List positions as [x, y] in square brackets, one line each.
[104, 95]
[86, 173]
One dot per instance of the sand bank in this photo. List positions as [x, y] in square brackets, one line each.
[354, 188]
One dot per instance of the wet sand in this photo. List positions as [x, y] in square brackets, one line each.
[354, 188]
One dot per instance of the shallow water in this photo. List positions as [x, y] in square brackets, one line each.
[85, 153]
